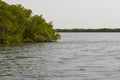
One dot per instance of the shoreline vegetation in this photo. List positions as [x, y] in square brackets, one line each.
[89, 30]
[19, 25]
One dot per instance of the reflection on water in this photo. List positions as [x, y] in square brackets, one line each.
[77, 56]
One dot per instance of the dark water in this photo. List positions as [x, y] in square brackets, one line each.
[77, 56]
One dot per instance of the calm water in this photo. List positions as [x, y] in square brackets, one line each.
[77, 56]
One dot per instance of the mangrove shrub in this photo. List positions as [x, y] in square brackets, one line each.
[17, 25]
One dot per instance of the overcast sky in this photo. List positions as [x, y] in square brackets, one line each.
[76, 13]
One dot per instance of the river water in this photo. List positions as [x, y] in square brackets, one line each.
[77, 56]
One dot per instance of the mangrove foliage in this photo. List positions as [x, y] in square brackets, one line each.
[18, 25]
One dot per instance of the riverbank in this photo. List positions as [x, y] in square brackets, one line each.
[89, 30]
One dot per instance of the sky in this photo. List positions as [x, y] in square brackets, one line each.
[76, 13]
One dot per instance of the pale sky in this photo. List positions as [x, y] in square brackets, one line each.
[76, 13]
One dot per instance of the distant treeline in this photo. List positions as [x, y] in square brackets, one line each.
[89, 30]
[18, 25]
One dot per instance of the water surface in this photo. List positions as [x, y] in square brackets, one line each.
[77, 56]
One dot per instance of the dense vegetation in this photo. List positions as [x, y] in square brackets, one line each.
[89, 30]
[17, 25]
